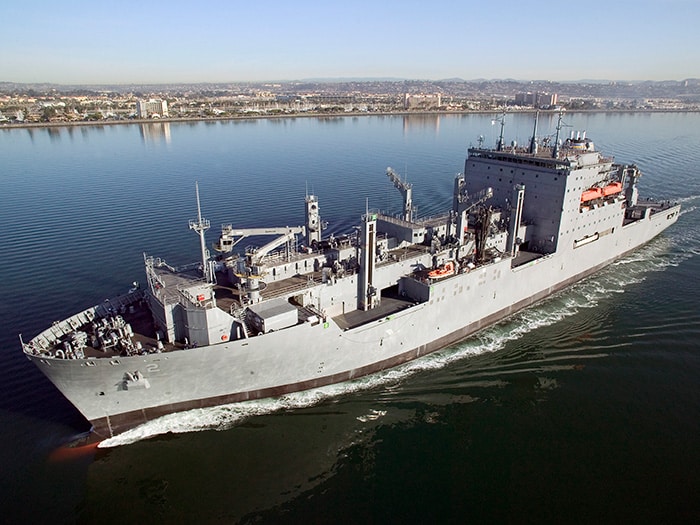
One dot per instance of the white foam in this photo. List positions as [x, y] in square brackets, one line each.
[688, 198]
[223, 417]
[372, 415]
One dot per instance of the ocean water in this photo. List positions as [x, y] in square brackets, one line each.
[584, 408]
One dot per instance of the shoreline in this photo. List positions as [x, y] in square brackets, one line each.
[28, 125]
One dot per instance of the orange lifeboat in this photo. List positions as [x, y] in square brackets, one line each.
[612, 189]
[592, 194]
[443, 271]
[598, 193]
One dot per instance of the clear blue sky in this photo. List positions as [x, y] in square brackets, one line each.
[127, 41]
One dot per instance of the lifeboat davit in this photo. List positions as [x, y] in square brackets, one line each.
[443, 271]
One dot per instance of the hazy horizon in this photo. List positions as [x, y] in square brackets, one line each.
[340, 80]
[78, 43]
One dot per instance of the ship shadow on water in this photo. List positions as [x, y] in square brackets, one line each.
[223, 476]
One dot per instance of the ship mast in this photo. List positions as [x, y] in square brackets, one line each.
[200, 226]
[533, 141]
[555, 152]
[501, 143]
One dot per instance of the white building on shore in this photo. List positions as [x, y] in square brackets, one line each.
[422, 101]
[153, 108]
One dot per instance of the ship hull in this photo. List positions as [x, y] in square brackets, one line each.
[308, 356]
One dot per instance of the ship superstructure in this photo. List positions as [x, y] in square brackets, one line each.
[302, 311]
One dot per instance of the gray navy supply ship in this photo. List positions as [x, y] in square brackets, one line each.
[286, 317]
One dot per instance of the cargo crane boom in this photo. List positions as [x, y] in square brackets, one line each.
[406, 190]
[230, 238]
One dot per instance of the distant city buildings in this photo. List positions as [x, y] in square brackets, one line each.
[29, 104]
[422, 101]
[536, 100]
[153, 108]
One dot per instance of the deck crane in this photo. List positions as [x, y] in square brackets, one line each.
[463, 203]
[251, 269]
[230, 238]
[406, 190]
